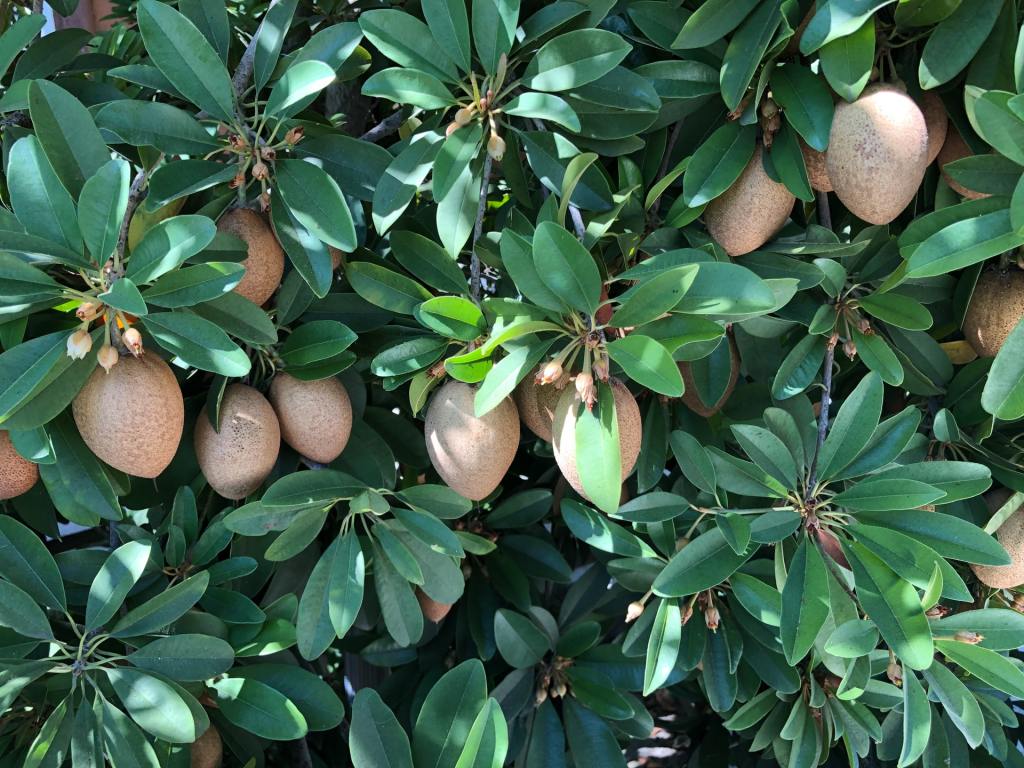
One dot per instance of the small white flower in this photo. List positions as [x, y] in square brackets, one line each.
[79, 344]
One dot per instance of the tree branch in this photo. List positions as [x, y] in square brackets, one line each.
[478, 228]
[826, 402]
[385, 127]
[243, 73]
[136, 193]
[824, 214]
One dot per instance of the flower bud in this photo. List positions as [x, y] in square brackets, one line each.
[586, 390]
[79, 344]
[268, 153]
[712, 618]
[133, 340]
[463, 116]
[552, 372]
[107, 357]
[850, 349]
[496, 147]
[88, 311]
[541, 696]
[895, 673]
[634, 611]
[451, 128]
[260, 171]
[560, 689]
[294, 136]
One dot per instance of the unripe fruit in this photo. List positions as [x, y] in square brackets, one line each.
[995, 309]
[536, 405]
[1011, 536]
[132, 417]
[208, 750]
[953, 149]
[753, 209]
[817, 172]
[265, 263]
[877, 153]
[936, 120]
[470, 454]
[238, 459]
[627, 414]
[17, 474]
[431, 609]
[315, 416]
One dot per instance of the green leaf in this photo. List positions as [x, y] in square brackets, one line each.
[717, 163]
[711, 22]
[449, 25]
[456, 153]
[648, 363]
[805, 604]
[447, 715]
[799, 367]
[314, 342]
[185, 657]
[313, 696]
[893, 604]
[168, 245]
[125, 744]
[407, 41]
[256, 707]
[1003, 394]
[155, 124]
[211, 20]
[1001, 629]
[987, 665]
[428, 261]
[123, 295]
[77, 483]
[67, 134]
[663, 646]
[376, 740]
[705, 562]
[193, 285]
[961, 706]
[487, 744]
[17, 36]
[239, 317]
[566, 268]
[185, 177]
[853, 426]
[880, 495]
[386, 288]
[955, 41]
[19, 612]
[806, 102]
[494, 30]
[101, 207]
[598, 453]
[591, 741]
[198, 342]
[181, 52]
[119, 573]
[654, 297]
[574, 59]
[317, 202]
[27, 563]
[519, 640]
[746, 49]
[917, 720]
[590, 527]
[853, 638]
[269, 39]
[408, 86]
[847, 61]
[693, 460]
[155, 705]
[837, 18]
[901, 311]
[543, 106]
[40, 201]
[166, 607]
[298, 87]
[399, 607]
[767, 451]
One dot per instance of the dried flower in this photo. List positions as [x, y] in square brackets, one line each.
[79, 344]
[133, 340]
[88, 311]
[895, 673]
[260, 171]
[294, 136]
[551, 372]
[463, 116]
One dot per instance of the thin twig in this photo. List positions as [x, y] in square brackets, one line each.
[243, 74]
[136, 193]
[824, 214]
[385, 127]
[478, 228]
[826, 402]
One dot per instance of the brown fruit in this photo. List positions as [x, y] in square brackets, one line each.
[208, 750]
[1011, 536]
[955, 148]
[752, 210]
[432, 610]
[238, 459]
[692, 399]
[877, 153]
[536, 405]
[265, 263]
[17, 474]
[470, 454]
[817, 172]
[335, 257]
[315, 416]
[132, 417]
[936, 120]
[627, 413]
[995, 309]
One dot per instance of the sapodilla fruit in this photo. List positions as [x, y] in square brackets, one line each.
[238, 459]
[430, 608]
[470, 453]
[132, 417]
[17, 474]
[692, 399]
[208, 750]
[753, 209]
[936, 120]
[315, 416]
[953, 149]
[877, 153]
[265, 263]
[536, 404]
[817, 172]
[1011, 536]
[627, 414]
[995, 309]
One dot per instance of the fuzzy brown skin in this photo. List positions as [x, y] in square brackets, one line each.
[754, 208]
[132, 417]
[17, 474]
[995, 309]
[431, 609]
[817, 171]
[627, 414]
[953, 149]
[877, 153]
[1011, 536]
[692, 399]
[238, 459]
[470, 454]
[315, 416]
[208, 750]
[936, 120]
[536, 404]
[265, 263]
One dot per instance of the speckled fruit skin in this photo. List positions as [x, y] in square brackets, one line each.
[753, 209]
[238, 459]
[877, 153]
[470, 454]
[936, 120]
[265, 264]
[996, 307]
[208, 750]
[692, 399]
[17, 474]
[817, 172]
[953, 149]
[536, 404]
[315, 416]
[132, 417]
[627, 414]
[1011, 536]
